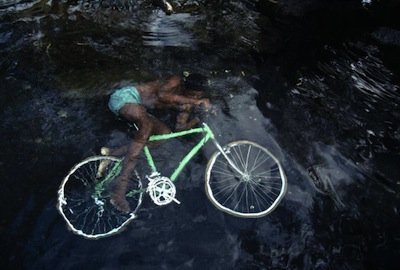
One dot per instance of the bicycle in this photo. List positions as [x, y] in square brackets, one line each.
[242, 179]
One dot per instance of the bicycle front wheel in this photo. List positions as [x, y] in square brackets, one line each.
[253, 191]
[84, 198]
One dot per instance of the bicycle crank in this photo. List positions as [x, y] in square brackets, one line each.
[161, 189]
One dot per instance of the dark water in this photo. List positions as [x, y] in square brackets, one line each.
[317, 82]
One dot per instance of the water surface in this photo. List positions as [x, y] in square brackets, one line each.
[316, 83]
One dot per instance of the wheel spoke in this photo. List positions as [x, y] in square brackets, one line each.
[227, 187]
[262, 191]
[240, 197]
[255, 160]
[239, 156]
[256, 166]
[255, 198]
[247, 159]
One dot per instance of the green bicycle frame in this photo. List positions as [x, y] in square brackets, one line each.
[208, 134]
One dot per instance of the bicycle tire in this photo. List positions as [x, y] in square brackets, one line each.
[84, 198]
[253, 195]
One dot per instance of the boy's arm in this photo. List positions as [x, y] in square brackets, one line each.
[170, 98]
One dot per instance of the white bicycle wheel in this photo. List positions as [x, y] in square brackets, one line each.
[256, 192]
[84, 198]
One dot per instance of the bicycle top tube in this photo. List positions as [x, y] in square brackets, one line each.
[204, 129]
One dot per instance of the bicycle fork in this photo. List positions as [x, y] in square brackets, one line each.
[211, 136]
[219, 147]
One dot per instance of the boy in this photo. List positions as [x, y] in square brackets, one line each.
[130, 103]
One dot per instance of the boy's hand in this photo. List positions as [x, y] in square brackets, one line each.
[204, 103]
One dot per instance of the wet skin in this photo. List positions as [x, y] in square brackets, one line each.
[154, 95]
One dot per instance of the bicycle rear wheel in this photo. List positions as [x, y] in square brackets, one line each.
[253, 194]
[84, 198]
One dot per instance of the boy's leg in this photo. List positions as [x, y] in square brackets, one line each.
[182, 119]
[184, 122]
[159, 127]
[118, 198]
[148, 125]
[116, 152]
[106, 151]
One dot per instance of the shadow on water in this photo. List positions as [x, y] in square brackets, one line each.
[316, 83]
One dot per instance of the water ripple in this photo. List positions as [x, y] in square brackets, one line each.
[162, 30]
[7, 6]
[361, 65]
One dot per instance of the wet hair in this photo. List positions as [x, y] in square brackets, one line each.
[195, 81]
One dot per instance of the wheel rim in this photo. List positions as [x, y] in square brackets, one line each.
[86, 208]
[254, 194]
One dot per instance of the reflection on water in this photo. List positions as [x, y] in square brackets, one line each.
[163, 30]
[327, 107]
